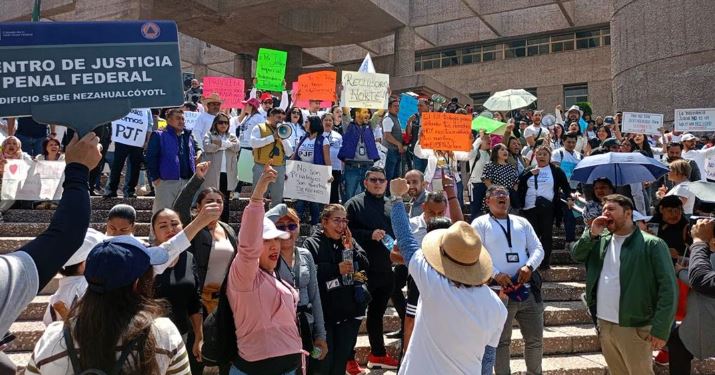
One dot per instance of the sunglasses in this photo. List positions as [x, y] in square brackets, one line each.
[222, 122]
[377, 180]
[295, 112]
[287, 227]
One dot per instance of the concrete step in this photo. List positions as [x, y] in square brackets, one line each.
[563, 290]
[566, 272]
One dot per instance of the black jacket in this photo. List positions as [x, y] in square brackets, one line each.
[339, 301]
[366, 214]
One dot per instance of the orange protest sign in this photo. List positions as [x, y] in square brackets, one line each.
[443, 131]
[317, 86]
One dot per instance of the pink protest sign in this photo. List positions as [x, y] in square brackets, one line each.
[230, 90]
[304, 103]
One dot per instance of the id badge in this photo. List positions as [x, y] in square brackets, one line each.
[361, 150]
[512, 257]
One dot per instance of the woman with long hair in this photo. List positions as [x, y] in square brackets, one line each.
[340, 283]
[336, 142]
[557, 140]
[51, 150]
[639, 143]
[263, 304]
[312, 148]
[117, 326]
[338, 115]
[221, 148]
[581, 139]
[498, 171]
[296, 121]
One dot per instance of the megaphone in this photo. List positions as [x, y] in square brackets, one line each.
[284, 131]
[548, 120]
[439, 99]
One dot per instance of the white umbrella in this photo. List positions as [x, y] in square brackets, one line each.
[509, 99]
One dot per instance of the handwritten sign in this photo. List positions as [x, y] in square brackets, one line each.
[131, 129]
[408, 107]
[308, 182]
[446, 131]
[28, 180]
[230, 90]
[271, 69]
[190, 119]
[643, 123]
[304, 103]
[317, 86]
[695, 119]
[365, 90]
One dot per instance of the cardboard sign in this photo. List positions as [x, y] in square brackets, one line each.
[695, 120]
[365, 90]
[643, 123]
[131, 129]
[443, 131]
[29, 181]
[308, 182]
[317, 86]
[408, 107]
[304, 103]
[81, 74]
[230, 90]
[271, 69]
[190, 119]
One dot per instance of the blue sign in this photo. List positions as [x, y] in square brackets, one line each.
[408, 107]
[81, 74]
[583, 125]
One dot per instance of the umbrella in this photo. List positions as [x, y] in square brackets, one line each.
[622, 168]
[703, 190]
[490, 126]
[509, 99]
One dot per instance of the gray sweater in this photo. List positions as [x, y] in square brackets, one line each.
[697, 331]
[307, 287]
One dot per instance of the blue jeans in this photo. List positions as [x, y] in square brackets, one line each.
[460, 193]
[419, 164]
[392, 164]
[314, 208]
[479, 191]
[353, 176]
[235, 371]
[32, 146]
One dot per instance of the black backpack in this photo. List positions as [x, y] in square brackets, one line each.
[116, 369]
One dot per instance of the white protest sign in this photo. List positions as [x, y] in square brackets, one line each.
[28, 180]
[190, 119]
[365, 90]
[308, 182]
[644, 123]
[131, 129]
[695, 119]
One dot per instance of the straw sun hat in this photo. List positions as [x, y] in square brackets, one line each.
[458, 254]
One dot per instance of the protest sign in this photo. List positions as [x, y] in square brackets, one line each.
[308, 182]
[317, 86]
[32, 180]
[230, 90]
[643, 123]
[270, 69]
[365, 90]
[304, 103]
[443, 131]
[190, 119]
[695, 120]
[408, 107]
[131, 129]
[245, 166]
[81, 74]
[489, 125]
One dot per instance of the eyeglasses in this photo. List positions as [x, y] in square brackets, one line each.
[338, 221]
[295, 113]
[499, 194]
[375, 180]
[222, 122]
[287, 227]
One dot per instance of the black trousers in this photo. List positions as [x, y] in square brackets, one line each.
[97, 171]
[341, 341]
[335, 186]
[680, 357]
[223, 187]
[542, 220]
[381, 293]
[121, 153]
[8, 368]
[398, 298]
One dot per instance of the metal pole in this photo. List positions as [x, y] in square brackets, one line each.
[36, 11]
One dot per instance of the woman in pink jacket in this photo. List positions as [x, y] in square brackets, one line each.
[263, 305]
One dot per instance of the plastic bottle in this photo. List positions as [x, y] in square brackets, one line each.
[388, 241]
[348, 257]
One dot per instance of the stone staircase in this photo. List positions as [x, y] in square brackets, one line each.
[571, 346]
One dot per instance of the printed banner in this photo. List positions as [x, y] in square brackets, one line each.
[443, 131]
[304, 103]
[32, 180]
[643, 123]
[408, 107]
[271, 69]
[695, 120]
[81, 74]
[308, 182]
[245, 166]
[365, 90]
[230, 90]
[190, 119]
[317, 86]
[131, 129]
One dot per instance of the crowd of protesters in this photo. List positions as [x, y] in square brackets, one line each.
[263, 300]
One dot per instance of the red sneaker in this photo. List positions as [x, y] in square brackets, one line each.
[385, 362]
[663, 358]
[353, 368]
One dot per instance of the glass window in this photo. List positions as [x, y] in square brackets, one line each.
[533, 91]
[575, 93]
[418, 66]
[449, 58]
[607, 40]
[480, 97]
[515, 49]
[588, 43]
[489, 53]
[534, 41]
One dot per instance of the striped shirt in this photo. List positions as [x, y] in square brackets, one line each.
[50, 354]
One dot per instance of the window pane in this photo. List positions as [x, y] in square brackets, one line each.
[543, 49]
[427, 64]
[607, 40]
[418, 66]
[568, 46]
[557, 47]
[489, 56]
[541, 40]
[532, 51]
[586, 34]
[562, 37]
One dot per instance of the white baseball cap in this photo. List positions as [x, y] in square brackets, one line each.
[91, 239]
[270, 231]
[688, 137]
[637, 216]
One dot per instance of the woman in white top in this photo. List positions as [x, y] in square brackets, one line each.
[678, 174]
[312, 149]
[51, 151]
[581, 140]
[439, 161]
[336, 142]
[221, 148]
[296, 121]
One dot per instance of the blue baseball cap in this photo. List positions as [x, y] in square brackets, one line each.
[119, 261]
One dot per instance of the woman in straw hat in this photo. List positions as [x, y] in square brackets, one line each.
[459, 315]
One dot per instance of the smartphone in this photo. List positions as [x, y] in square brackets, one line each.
[9, 337]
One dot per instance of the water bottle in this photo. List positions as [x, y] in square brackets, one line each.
[348, 257]
[389, 242]
[316, 352]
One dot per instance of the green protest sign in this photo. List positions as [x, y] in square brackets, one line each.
[271, 69]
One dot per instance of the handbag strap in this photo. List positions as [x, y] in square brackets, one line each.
[117, 367]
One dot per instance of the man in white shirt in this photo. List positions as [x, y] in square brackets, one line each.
[698, 156]
[567, 158]
[203, 122]
[516, 252]
[535, 131]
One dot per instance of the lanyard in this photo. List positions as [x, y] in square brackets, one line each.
[507, 231]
